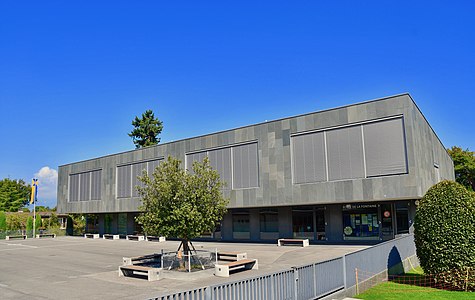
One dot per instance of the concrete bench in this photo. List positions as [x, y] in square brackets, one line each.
[107, 236]
[91, 235]
[152, 274]
[232, 256]
[135, 238]
[224, 270]
[156, 238]
[282, 242]
[20, 236]
[127, 261]
[42, 235]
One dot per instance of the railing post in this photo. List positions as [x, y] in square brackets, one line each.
[344, 271]
[315, 280]
[208, 295]
[296, 286]
[356, 275]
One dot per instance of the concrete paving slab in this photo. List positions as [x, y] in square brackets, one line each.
[79, 268]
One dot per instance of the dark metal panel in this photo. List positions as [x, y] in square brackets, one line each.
[345, 153]
[385, 149]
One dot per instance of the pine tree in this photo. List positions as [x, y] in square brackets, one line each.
[146, 130]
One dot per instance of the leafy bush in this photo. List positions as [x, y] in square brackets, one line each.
[445, 231]
[3, 221]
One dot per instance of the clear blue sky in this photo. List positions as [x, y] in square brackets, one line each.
[74, 75]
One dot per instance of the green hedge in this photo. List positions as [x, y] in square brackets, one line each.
[445, 232]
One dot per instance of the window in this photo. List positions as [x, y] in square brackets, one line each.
[354, 151]
[152, 165]
[402, 217]
[241, 228]
[385, 150]
[96, 189]
[302, 223]
[308, 153]
[127, 177]
[345, 153]
[191, 158]
[124, 181]
[137, 170]
[245, 166]
[85, 186]
[269, 220]
[220, 160]
[237, 165]
[74, 188]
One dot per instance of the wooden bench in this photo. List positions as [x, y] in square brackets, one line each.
[107, 236]
[91, 235]
[20, 236]
[282, 242]
[151, 274]
[127, 261]
[135, 238]
[240, 265]
[232, 256]
[42, 235]
[156, 238]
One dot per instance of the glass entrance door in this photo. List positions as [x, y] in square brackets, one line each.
[320, 223]
[302, 223]
[387, 231]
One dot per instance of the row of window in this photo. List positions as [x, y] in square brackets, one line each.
[85, 186]
[237, 165]
[356, 151]
[367, 150]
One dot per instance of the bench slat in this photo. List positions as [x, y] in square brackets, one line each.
[239, 262]
[136, 268]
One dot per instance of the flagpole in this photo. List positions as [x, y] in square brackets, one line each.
[34, 193]
[34, 218]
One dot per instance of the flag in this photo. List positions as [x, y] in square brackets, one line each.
[34, 190]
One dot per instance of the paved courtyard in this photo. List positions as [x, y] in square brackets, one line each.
[79, 268]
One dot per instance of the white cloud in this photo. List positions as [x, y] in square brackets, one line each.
[47, 186]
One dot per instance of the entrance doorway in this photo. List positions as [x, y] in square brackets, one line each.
[309, 223]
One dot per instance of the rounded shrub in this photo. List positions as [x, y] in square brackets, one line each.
[444, 232]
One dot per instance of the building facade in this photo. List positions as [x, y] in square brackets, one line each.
[347, 174]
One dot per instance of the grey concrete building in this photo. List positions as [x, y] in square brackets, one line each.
[351, 173]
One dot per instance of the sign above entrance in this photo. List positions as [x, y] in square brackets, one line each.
[359, 206]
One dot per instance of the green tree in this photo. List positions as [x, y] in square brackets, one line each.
[14, 194]
[38, 223]
[464, 165]
[29, 224]
[146, 130]
[444, 233]
[16, 221]
[53, 220]
[41, 208]
[3, 221]
[181, 204]
[76, 224]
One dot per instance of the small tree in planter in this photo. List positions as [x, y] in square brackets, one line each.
[181, 204]
[445, 234]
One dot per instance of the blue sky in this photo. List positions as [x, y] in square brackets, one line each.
[73, 75]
